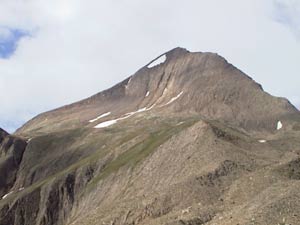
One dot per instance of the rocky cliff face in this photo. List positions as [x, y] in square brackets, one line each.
[188, 139]
[11, 153]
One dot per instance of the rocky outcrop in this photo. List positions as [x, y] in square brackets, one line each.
[46, 203]
[11, 152]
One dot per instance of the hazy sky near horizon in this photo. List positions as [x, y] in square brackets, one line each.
[56, 52]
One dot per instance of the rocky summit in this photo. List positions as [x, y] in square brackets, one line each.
[189, 139]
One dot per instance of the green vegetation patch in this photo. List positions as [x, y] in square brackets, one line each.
[130, 158]
[140, 151]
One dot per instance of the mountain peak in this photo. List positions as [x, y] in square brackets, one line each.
[177, 51]
[180, 81]
[178, 142]
[167, 56]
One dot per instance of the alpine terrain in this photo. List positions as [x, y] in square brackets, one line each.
[189, 139]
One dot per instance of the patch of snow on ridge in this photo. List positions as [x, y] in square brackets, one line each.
[165, 91]
[147, 94]
[262, 141]
[279, 125]
[8, 194]
[126, 86]
[129, 80]
[141, 110]
[158, 61]
[151, 107]
[127, 115]
[106, 124]
[173, 99]
[101, 116]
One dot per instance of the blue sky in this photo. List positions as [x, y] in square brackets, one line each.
[80, 47]
[9, 41]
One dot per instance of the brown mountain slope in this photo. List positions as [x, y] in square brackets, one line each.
[190, 141]
[210, 86]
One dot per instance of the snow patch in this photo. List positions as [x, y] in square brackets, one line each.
[158, 61]
[99, 117]
[126, 86]
[21, 189]
[173, 99]
[151, 107]
[165, 91]
[262, 141]
[106, 124]
[147, 94]
[8, 194]
[141, 110]
[29, 140]
[279, 125]
[129, 80]
[127, 115]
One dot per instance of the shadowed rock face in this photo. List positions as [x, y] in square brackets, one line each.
[192, 140]
[11, 153]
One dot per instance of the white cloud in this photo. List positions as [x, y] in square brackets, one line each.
[81, 47]
[287, 12]
[5, 33]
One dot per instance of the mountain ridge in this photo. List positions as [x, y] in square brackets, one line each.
[191, 140]
[176, 71]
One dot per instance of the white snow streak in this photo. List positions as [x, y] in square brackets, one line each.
[8, 194]
[126, 86]
[141, 110]
[173, 99]
[99, 117]
[158, 61]
[147, 94]
[279, 125]
[165, 91]
[127, 115]
[106, 124]
[262, 141]
[151, 107]
[129, 80]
